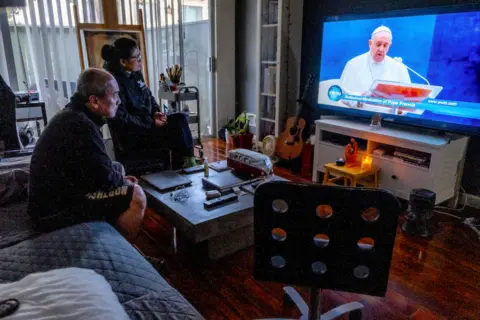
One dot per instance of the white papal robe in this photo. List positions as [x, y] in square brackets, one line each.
[360, 73]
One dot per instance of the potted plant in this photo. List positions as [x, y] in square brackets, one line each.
[239, 132]
[231, 134]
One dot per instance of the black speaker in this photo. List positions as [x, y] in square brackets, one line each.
[26, 135]
[13, 3]
[421, 205]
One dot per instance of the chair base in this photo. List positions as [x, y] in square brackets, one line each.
[353, 309]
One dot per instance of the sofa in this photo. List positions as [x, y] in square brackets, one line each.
[140, 289]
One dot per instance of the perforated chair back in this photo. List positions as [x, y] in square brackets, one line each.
[325, 237]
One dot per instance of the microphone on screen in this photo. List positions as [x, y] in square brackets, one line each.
[400, 60]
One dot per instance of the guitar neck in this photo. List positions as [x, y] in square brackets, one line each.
[299, 111]
[301, 101]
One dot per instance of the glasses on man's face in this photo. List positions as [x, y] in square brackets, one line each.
[137, 57]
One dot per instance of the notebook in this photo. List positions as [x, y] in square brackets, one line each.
[251, 187]
[166, 180]
[219, 166]
[224, 181]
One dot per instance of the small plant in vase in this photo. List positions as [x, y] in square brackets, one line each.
[239, 131]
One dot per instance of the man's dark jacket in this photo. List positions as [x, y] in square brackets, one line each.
[69, 161]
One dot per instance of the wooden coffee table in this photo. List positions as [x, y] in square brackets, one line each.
[225, 229]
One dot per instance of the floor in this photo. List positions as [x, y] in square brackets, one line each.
[436, 279]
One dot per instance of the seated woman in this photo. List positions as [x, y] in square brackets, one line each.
[139, 124]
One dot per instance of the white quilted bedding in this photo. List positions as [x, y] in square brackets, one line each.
[69, 293]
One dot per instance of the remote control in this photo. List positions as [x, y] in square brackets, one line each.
[220, 200]
[212, 194]
[193, 169]
[256, 184]
[8, 307]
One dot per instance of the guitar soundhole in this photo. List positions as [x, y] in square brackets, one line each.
[293, 130]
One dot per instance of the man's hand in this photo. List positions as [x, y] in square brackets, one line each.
[160, 119]
[131, 179]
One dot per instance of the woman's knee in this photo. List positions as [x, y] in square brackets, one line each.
[117, 166]
[178, 118]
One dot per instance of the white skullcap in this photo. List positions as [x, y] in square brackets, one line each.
[382, 29]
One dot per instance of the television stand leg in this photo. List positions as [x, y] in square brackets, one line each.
[455, 200]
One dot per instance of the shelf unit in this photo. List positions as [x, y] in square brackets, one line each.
[271, 75]
[438, 164]
[190, 93]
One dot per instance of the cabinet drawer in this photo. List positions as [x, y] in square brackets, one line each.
[400, 179]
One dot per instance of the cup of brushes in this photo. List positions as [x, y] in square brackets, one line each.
[174, 74]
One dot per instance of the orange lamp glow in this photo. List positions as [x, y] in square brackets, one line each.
[366, 162]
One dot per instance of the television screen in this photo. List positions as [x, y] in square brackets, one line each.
[422, 69]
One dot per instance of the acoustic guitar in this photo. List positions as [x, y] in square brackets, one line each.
[290, 142]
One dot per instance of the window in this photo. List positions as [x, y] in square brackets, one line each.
[192, 13]
[40, 49]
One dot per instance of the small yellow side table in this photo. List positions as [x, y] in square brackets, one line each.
[350, 175]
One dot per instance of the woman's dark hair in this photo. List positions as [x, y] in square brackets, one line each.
[122, 48]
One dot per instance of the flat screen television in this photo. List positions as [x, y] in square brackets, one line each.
[417, 67]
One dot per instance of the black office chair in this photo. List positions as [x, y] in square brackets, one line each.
[324, 237]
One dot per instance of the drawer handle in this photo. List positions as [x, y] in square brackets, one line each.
[394, 177]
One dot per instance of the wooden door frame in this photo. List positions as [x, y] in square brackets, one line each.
[224, 53]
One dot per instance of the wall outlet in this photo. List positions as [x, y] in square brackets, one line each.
[471, 199]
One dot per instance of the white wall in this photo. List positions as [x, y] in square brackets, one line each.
[225, 80]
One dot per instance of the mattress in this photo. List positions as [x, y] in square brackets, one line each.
[143, 293]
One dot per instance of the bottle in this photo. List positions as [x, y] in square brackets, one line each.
[205, 167]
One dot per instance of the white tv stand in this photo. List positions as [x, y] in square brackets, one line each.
[441, 174]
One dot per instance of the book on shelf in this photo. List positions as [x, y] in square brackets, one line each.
[270, 79]
[269, 47]
[269, 111]
[272, 12]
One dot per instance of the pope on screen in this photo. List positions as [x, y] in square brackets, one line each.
[360, 72]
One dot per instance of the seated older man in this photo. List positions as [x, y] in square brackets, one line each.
[72, 179]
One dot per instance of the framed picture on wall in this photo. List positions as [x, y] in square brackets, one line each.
[94, 40]
[91, 37]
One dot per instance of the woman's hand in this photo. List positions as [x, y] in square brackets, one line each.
[160, 119]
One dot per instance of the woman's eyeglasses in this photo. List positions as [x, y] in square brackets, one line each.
[138, 57]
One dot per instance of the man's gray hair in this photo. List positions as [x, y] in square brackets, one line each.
[93, 82]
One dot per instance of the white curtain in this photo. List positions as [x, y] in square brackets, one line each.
[45, 46]
[162, 23]
[45, 50]
[176, 32]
